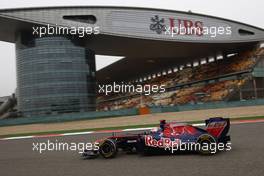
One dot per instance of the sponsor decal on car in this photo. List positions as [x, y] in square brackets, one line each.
[161, 143]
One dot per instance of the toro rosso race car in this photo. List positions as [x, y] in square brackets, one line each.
[168, 138]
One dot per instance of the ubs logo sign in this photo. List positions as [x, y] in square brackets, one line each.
[177, 26]
[157, 24]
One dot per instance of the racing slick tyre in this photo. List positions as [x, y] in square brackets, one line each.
[207, 144]
[108, 149]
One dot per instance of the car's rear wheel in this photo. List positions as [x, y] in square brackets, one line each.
[108, 149]
[207, 145]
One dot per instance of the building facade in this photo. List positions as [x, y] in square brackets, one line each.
[55, 74]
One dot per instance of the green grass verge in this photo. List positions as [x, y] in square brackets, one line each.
[111, 128]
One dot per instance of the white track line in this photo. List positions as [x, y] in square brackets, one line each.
[137, 129]
[18, 137]
[77, 133]
[198, 124]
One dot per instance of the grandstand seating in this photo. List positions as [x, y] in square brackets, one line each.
[187, 92]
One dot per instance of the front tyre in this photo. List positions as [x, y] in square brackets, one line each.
[108, 149]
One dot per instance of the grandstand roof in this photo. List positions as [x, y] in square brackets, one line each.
[130, 68]
[127, 31]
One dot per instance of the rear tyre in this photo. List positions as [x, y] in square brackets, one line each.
[108, 149]
[207, 145]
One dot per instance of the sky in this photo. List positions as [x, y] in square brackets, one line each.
[246, 11]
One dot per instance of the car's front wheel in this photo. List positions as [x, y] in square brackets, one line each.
[108, 149]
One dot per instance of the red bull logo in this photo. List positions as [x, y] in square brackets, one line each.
[161, 143]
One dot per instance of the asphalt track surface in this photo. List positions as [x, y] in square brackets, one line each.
[245, 159]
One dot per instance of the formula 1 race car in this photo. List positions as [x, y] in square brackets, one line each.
[168, 138]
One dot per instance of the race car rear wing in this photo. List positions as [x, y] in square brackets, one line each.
[218, 127]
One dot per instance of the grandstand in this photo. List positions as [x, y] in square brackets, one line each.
[216, 79]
